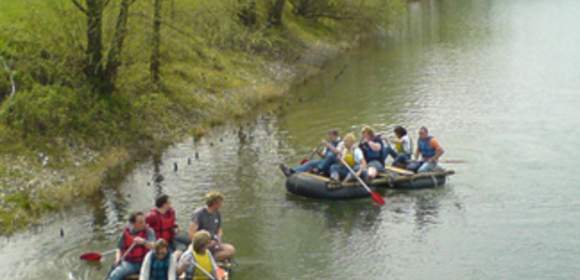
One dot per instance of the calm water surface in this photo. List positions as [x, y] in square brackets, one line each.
[497, 81]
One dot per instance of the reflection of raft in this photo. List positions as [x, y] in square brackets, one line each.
[314, 186]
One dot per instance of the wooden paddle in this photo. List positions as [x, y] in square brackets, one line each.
[309, 158]
[453, 161]
[374, 195]
[114, 265]
[400, 170]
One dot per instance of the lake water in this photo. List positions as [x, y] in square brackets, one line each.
[496, 81]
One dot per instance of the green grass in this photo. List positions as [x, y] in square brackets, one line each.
[213, 70]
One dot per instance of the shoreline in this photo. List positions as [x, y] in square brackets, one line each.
[26, 205]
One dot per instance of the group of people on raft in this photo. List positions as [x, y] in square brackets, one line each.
[151, 244]
[369, 156]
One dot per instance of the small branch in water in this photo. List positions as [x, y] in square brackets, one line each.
[10, 76]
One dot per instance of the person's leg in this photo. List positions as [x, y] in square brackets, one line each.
[329, 160]
[391, 152]
[401, 160]
[224, 252]
[335, 171]
[306, 167]
[124, 269]
[376, 165]
[427, 167]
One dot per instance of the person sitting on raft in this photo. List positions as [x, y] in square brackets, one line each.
[373, 149]
[162, 220]
[197, 262]
[429, 149]
[321, 166]
[351, 155]
[135, 242]
[403, 150]
[160, 263]
[209, 218]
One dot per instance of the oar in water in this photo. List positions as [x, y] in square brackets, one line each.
[453, 161]
[95, 256]
[374, 195]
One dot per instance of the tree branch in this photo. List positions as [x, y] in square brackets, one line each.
[80, 6]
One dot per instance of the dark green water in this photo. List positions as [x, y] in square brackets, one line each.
[497, 81]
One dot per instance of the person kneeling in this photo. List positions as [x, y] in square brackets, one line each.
[159, 264]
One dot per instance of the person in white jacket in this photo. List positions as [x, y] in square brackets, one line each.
[159, 264]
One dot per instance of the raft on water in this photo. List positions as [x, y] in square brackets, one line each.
[319, 187]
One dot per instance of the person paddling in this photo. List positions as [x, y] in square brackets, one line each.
[373, 150]
[351, 155]
[209, 218]
[429, 149]
[135, 242]
[328, 157]
[162, 220]
[403, 150]
[198, 262]
[160, 263]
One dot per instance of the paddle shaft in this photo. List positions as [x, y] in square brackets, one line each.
[122, 258]
[204, 271]
[356, 176]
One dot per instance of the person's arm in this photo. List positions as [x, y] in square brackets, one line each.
[214, 267]
[149, 243]
[183, 263]
[118, 251]
[117, 257]
[417, 152]
[220, 233]
[363, 162]
[193, 227]
[146, 267]
[172, 267]
[438, 150]
[375, 146]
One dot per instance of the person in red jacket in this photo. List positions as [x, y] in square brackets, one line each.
[135, 242]
[162, 220]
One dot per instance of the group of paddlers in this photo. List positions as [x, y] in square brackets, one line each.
[152, 245]
[368, 158]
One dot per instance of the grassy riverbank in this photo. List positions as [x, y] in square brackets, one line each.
[59, 140]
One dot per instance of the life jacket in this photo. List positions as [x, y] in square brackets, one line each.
[425, 148]
[401, 149]
[371, 155]
[164, 224]
[192, 272]
[137, 254]
[349, 158]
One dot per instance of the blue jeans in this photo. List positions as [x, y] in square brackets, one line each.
[125, 269]
[307, 167]
[398, 159]
[377, 165]
[427, 167]
[339, 171]
[322, 165]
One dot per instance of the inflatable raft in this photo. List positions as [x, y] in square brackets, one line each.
[318, 187]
